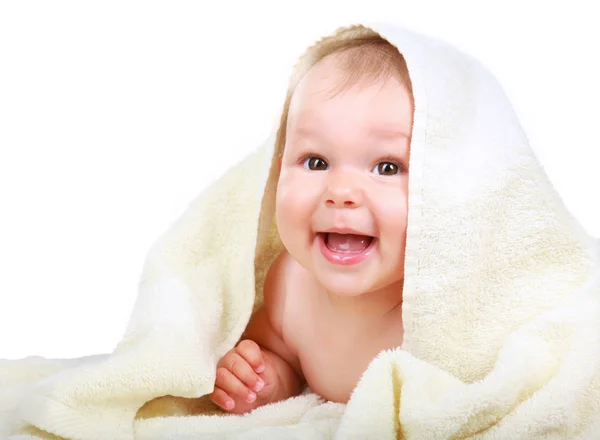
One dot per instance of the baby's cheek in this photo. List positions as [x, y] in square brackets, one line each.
[295, 211]
[287, 202]
[392, 221]
[288, 212]
[296, 195]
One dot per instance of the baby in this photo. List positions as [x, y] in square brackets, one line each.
[333, 298]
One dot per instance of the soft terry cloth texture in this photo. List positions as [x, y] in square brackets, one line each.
[501, 301]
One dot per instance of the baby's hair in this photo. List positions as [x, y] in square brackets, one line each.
[362, 54]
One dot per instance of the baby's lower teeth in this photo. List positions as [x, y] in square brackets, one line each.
[344, 246]
[351, 244]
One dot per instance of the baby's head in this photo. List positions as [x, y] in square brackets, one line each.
[344, 138]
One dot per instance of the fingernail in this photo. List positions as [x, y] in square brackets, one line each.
[260, 368]
[229, 404]
[259, 384]
[251, 397]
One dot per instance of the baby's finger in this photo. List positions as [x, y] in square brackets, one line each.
[250, 351]
[227, 381]
[244, 372]
[221, 398]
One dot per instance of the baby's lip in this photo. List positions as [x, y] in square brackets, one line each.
[344, 231]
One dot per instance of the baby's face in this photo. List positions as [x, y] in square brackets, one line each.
[342, 196]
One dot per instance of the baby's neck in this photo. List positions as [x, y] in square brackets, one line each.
[383, 303]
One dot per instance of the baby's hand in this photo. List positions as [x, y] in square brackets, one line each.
[245, 379]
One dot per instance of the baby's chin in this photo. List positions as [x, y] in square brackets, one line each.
[350, 284]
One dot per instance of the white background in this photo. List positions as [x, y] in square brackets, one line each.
[114, 115]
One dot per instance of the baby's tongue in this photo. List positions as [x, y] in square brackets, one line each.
[348, 243]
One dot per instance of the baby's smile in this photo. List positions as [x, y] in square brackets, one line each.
[347, 243]
[345, 248]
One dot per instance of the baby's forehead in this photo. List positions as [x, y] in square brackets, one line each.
[381, 106]
[332, 76]
[324, 91]
[376, 62]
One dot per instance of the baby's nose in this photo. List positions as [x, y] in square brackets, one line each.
[344, 191]
[341, 202]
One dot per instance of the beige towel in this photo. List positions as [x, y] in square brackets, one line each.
[501, 300]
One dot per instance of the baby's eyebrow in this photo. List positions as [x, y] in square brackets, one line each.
[379, 133]
[388, 133]
[303, 133]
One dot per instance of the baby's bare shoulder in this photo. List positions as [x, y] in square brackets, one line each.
[277, 289]
[288, 296]
[266, 326]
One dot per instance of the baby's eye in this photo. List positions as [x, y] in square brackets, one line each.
[386, 169]
[315, 164]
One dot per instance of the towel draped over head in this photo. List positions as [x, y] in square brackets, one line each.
[500, 304]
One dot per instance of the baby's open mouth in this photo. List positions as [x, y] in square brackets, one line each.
[347, 243]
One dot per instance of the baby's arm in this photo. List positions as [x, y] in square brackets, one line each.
[261, 369]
